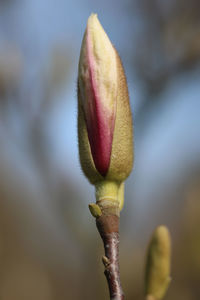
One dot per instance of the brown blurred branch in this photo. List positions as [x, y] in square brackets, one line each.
[149, 297]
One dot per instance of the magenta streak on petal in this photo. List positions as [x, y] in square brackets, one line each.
[100, 123]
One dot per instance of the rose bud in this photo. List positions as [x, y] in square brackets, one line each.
[105, 129]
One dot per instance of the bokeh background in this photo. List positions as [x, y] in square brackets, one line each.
[49, 246]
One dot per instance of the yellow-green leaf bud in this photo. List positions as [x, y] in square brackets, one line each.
[157, 272]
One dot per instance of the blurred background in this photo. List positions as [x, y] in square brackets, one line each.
[49, 245]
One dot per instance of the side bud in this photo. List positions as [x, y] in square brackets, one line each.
[157, 272]
[104, 116]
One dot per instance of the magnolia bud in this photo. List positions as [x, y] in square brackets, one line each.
[157, 273]
[104, 116]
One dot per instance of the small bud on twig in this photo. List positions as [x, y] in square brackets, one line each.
[95, 210]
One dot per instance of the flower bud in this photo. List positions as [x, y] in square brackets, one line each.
[104, 116]
[157, 273]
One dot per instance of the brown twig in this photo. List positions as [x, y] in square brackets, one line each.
[108, 227]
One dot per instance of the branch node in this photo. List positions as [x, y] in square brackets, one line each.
[105, 261]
